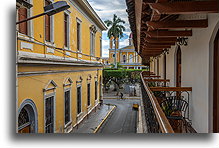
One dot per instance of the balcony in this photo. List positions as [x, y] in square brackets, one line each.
[165, 109]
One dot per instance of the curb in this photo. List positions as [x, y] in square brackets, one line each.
[101, 123]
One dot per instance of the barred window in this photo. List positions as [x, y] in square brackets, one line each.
[79, 99]
[49, 115]
[23, 117]
[66, 28]
[96, 86]
[78, 36]
[88, 95]
[67, 106]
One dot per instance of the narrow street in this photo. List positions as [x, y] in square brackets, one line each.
[124, 118]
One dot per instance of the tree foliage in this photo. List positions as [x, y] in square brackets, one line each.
[121, 76]
[116, 27]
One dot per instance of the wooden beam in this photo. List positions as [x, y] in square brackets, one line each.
[146, 49]
[161, 40]
[145, 77]
[160, 43]
[143, 50]
[138, 10]
[186, 7]
[156, 80]
[157, 46]
[152, 49]
[155, 16]
[151, 53]
[171, 88]
[182, 24]
[169, 33]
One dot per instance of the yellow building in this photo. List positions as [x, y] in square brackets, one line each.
[126, 56]
[59, 70]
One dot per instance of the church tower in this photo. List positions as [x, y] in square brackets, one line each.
[112, 45]
[130, 39]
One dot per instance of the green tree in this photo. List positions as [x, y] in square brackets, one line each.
[116, 30]
[120, 76]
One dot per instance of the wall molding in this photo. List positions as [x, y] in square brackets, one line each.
[32, 73]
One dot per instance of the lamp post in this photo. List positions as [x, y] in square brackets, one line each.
[49, 10]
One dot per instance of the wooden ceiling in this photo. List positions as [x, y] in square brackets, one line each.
[159, 24]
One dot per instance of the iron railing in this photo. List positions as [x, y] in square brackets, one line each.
[156, 120]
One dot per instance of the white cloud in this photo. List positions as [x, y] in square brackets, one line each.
[105, 9]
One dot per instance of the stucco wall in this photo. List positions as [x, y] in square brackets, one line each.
[170, 66]
[161, 66]
[195, 72]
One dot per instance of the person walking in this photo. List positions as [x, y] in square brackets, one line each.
[121, 95]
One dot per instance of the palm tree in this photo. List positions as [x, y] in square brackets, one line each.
[116, 30]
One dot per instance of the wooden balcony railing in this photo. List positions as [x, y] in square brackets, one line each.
[155, 117]
[157, 82]
[173, 101]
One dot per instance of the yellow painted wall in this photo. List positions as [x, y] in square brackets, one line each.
[39, 33]
[112, 43]
[30, 86]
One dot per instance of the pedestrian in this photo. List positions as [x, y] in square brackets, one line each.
[121, 95]
[134, 91]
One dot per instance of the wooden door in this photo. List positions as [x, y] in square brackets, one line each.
[22, 15]
[216, 86]
[178, 67]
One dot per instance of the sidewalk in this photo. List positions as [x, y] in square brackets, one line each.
[95, 119]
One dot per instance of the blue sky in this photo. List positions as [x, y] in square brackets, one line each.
[105, 9]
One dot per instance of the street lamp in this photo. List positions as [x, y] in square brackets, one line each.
[49, 10]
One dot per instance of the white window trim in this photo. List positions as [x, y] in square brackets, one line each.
[93, 31]
[79, 114]
[30, 23]
[70, 122]
[54, 110]
[80, 41]
[30, 30]
[52, 41]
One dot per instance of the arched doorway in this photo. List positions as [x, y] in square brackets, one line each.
[27, 117]
[178, 66]
[216, 85]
